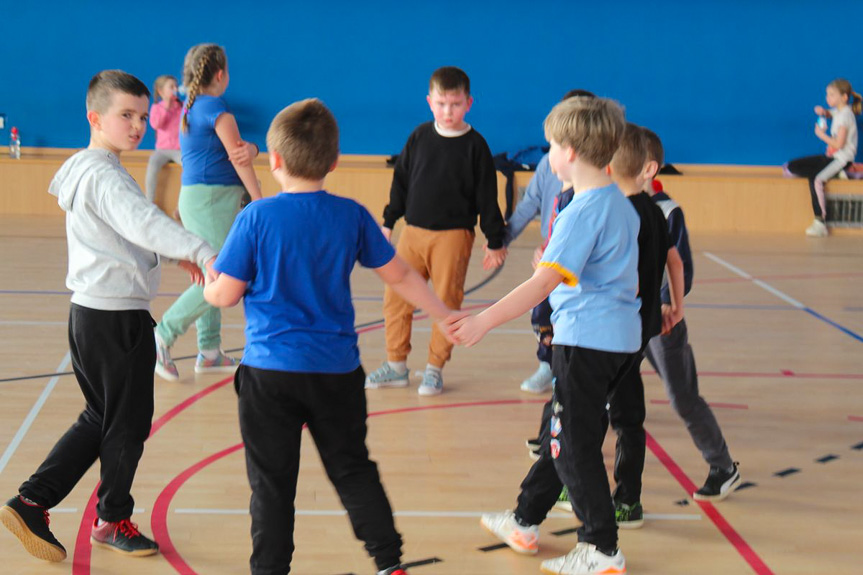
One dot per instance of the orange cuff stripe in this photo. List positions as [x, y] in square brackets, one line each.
[568, 277]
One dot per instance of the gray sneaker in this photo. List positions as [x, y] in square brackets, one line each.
[432, 383]
[539, 381]
[386, 376]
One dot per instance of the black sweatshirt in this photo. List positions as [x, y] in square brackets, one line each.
[442, 183]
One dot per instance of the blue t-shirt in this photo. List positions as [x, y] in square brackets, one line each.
[205, 159]
[296, 252]
[594, 246]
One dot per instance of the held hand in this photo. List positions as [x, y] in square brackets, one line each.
[447, 324]
[243, 154]
[493, 258]
[212, 274]
[387, 233]
[537, 256]
[194, 271]
[468, 331]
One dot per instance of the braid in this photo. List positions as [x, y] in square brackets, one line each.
[203, 54]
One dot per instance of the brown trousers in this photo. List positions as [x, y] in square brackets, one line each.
[443, 257]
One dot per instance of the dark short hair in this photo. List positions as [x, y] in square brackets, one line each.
[104, 84]
[306, 136]
[448, 79]
[631, 154]
[574, 93]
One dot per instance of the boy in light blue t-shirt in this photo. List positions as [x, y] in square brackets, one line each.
[590, 270]
[301, 364]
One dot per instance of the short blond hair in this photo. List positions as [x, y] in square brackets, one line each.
[631, 154]
[306, 136]
[592, 127]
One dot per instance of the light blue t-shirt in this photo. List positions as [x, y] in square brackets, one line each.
[205, 159]
[539, 197]
[296, 252]
[594, 246]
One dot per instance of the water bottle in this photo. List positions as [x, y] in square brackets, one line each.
[822, 122]
[14, 144]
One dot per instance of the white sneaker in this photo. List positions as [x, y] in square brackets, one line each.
[586, 559]
[432, 383]
[386, 376]
[524, 540]
[818, 229]
[539, 381]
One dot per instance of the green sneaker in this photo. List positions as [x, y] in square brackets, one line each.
[563, 500]
[629, 516]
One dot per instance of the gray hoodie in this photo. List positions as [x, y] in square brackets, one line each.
[115, 234]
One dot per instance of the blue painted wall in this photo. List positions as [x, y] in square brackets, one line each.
[721, 82]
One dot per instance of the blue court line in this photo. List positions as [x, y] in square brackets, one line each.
[829, 321]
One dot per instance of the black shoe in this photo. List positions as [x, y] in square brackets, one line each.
[719, 484]
[628, 516]
[122, 537]
[29, 523]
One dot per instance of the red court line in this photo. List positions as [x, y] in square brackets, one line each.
[854, 418]
[721, 405]
[159, 520]
[721, 523]
[783, 374]
[83, 547]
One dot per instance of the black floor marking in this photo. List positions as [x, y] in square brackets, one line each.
[787, 472]
[564, 531]
[746, 485]
[858, 447]
[682, 502]
[413, 564]
[495, 547]
[827, 458]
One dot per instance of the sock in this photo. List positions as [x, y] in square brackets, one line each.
[400, 367]
[159, 339]
[610, 553]
[521, 522]
[434, 368]
[210, 354]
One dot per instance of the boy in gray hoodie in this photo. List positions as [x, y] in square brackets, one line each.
[114, 236]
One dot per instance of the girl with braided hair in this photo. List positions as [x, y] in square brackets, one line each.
[217, 171]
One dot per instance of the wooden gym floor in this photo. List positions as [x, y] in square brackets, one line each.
[777, 327]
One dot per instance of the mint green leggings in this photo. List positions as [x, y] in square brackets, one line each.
[208, 212]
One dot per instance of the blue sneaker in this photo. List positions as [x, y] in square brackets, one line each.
[220, 364]
[165, 366]
[432, 383]
[386, 376]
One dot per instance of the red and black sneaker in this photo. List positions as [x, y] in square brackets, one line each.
[122, 537]
[394, 570]
[29, 523]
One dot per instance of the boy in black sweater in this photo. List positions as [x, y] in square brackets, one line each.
[443, 179]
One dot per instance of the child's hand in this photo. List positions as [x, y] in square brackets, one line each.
[212, 274]
[820, 132]
[194, 272]
[387, 233]
[819, 110]
[670, 318]
[537, 256]
[447, 324]
[468, 331]
[243, 154]
[493, 258]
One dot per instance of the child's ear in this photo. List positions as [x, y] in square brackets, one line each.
[333, 167]
[651, 168]
[276, 161]
[94, 119]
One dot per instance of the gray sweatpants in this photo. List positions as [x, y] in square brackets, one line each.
[672, 358]
[158, 159]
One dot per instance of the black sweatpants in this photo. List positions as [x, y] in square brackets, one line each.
[274, 406]
[113, 356]
[817, 169]
[571, 453]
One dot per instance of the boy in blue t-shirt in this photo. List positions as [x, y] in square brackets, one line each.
[301, 364]
[590, 270]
